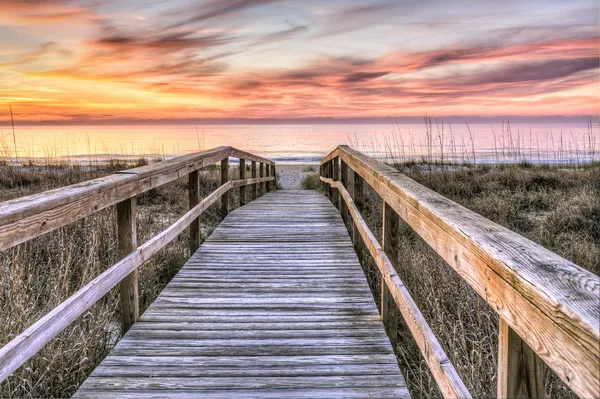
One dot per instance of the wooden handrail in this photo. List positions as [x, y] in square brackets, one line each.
[28, 217]
[25, 345]
[549, 302]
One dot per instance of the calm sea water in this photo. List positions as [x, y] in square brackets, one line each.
[309, 143]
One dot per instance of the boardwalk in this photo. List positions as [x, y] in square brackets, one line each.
[274, 304]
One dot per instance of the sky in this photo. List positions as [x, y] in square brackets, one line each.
[92, 61]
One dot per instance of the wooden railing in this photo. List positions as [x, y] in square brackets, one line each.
[549, 307]
[25, 218]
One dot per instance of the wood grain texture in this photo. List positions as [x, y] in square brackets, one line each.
[127, 243]
[261, 174]
[444, 373]
[254, 186]
[194, 198]
[389, 240]
[27, 217]
[28, 343]
[551, 303]
[267, 174]
[242, 177]
[224, 180]
[273, 304]
[520, 371]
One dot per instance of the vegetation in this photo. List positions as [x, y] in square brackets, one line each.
[311, 182]
[38, 275]
[558, 208]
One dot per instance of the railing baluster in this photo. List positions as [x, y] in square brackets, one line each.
[194, 198]
[344, 180]
[336, 177]
[268, 174]
[520, 371]
[254, 186]
[389, 241]
[262, 174]
[127, 241]
[359, 202]
[242, 177]
[274, 174]
[225, 179]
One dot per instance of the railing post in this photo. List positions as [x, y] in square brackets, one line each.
[274, 174]
[344, 181]
[127, 238]
[268, 174]
[359, 202]
[520, 371]
[254, 186]
[225, 179]
[336, 177]
[262, 174]
[389, 239]
[194, 198]
[242, 177]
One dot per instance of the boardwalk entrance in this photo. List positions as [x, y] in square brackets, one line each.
[273, 304]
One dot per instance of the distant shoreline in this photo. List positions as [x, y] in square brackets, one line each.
[548, 119]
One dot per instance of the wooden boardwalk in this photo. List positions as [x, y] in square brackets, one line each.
[274, 304]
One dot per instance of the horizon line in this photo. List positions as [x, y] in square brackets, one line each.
[312, 120]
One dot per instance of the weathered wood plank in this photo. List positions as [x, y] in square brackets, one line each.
[224, 180]
[521, 372]
[442, 369]
[194, 198]
[551, 303]
[242, 177]
[288, 290]
[127, 243]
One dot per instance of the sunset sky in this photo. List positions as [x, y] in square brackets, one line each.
[86, 61]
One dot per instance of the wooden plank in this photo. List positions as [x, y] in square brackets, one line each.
[551, 303]
[194, 198]
[235, 153]
[521, 372]
[359, 201]
[274, 174]
[438, 362]
[330, 393]
[224, 180]
[127, 243]
[303, 308]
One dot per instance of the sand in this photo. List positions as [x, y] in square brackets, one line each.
[291, 176]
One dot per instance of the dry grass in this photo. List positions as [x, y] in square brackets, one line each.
[558, 208]
[38, 275]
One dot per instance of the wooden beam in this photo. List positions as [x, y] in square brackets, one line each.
[27, 217]
[520, 371]
[254, 186]
[274, 174]
[127, 243]
[242, 177]
[224, 180]
[344, 181]
[389, 241]
[335, 163]
[439, 364]
[262, 174]
[550, 302]
[267, 174]
[359, 201]
[194, 198]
